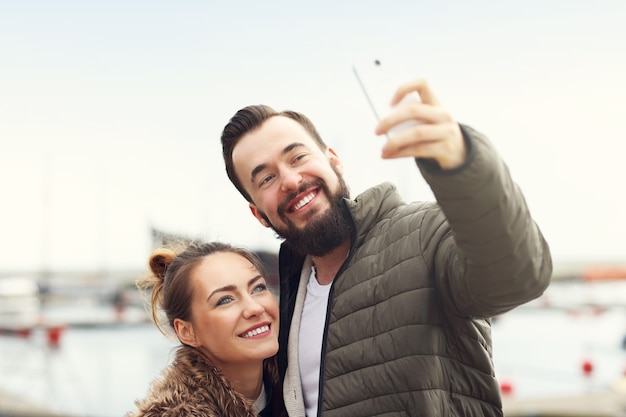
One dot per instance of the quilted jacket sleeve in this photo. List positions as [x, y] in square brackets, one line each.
[490, 256]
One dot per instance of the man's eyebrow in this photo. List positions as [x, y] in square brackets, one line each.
[227, 288]
[261, 167]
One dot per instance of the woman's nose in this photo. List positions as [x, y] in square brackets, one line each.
[253, 308]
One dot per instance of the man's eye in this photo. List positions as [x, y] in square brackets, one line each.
[299, 157]
[265, 180]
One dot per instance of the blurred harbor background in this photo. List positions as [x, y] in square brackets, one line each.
[110, 114]
[93, 350]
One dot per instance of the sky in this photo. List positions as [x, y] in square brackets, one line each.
[111, 112]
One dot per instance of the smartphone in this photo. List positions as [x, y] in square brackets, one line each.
[379, 78]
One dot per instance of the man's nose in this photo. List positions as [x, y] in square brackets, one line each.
[290, 180]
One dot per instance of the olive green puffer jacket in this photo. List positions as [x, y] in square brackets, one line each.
[408, 330]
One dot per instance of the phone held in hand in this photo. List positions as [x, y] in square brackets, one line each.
[379, 78]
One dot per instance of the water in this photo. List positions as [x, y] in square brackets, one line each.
[543, 353]
[100, 371]
[95, 371]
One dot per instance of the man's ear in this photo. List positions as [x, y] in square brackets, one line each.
[185, 332]
[334, 159]
[259, 216]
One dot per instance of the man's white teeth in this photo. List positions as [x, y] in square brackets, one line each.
[303, 202]
[256, 331]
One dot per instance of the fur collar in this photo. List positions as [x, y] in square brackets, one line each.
[191, 386]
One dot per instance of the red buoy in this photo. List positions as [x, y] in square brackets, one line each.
[54, 335]
[506, 387]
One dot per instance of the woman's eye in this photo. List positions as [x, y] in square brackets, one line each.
[259, 288]
[224, 300]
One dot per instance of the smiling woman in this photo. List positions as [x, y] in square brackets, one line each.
[216, 299]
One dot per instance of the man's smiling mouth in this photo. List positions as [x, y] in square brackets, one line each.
[303, 202]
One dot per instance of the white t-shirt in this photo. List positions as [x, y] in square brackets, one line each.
[310, 341]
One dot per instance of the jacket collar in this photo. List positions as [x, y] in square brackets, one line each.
[370, 206]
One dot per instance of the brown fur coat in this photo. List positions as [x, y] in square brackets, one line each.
[193, 386]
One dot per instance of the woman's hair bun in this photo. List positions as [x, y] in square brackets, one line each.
[160, 261]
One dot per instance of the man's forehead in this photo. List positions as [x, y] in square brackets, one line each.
[277, 132]
[277, 125]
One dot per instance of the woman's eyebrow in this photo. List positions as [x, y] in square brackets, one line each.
[227, 288]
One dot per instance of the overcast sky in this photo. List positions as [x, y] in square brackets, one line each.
[110, 112]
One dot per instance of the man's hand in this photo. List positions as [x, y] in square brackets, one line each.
[437, 137]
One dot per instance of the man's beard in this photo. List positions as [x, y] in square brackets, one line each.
[324, 233]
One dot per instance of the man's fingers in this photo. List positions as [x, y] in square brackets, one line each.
[441, 142]
[413, 136]
[423, 89]
[413, 111]
[437, 136]
[427, 150]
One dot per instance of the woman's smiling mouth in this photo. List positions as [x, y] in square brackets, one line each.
[254, 332]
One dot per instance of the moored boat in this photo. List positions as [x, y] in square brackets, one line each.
[20, 304]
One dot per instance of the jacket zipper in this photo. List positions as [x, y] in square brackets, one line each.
[320, 385]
